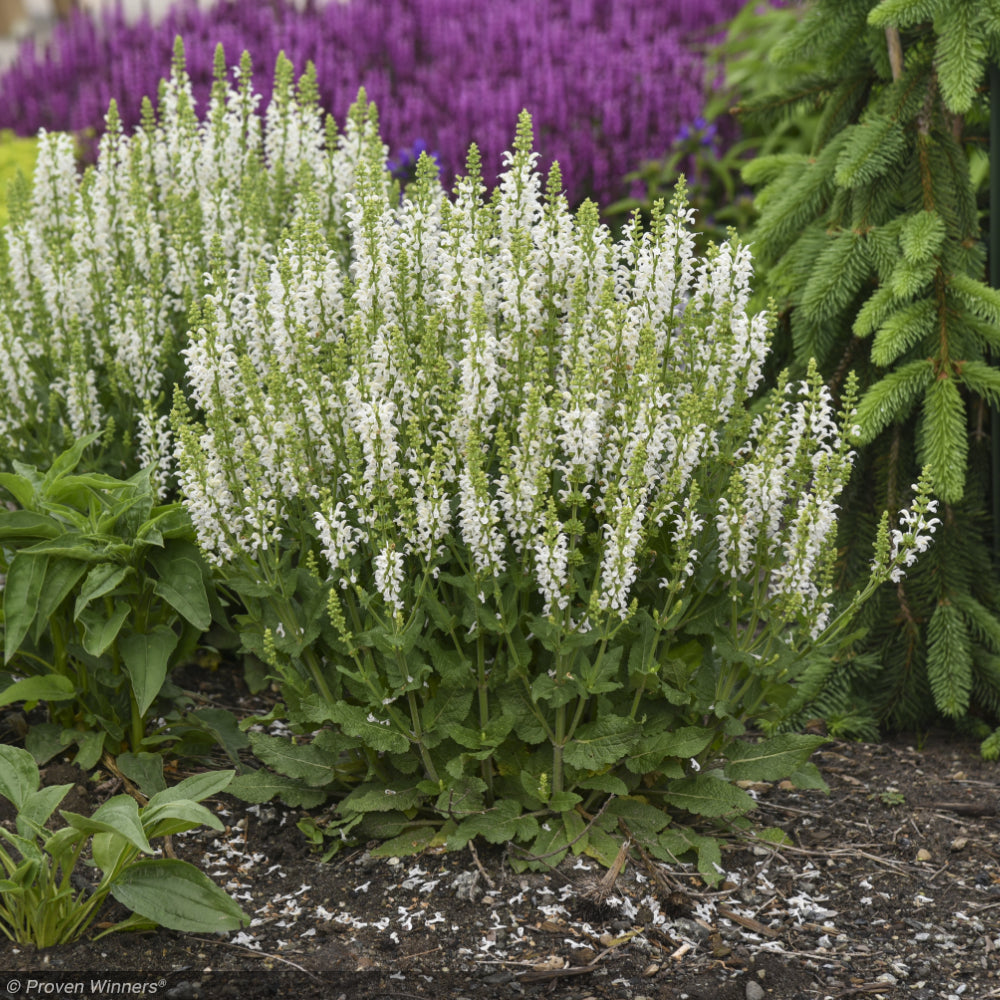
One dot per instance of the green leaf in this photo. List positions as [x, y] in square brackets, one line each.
[19, 776]
[176, 895]
[182, 585]
[90, 746]
[411, 842]
[263, 786]
[772, 759]
[302, 761]
[378, 798]
[606, 740]
[27, 524]
[21, 596]
[706, 795]
[144, 769]
[101, 580]
[356, 721]
[21, 489]
[195, 788]
[146, 658]
[652, 750]
[50, 687]
[100, 631]
[118, 815]
[39, 806]
[644, 820]
[168, 818]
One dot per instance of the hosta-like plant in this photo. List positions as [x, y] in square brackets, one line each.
[508, 534]
[41, 901]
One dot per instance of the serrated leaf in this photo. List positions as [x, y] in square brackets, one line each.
[406, 844]
[604, 741]
[357, 721]
[263, 786]
[706, 795]
[686, 742]
[771, 759]
[642, 817]
[301, 761]
[378, 798]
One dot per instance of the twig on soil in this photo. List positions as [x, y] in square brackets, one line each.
[261, 954]
[479, 865]
[966, 808]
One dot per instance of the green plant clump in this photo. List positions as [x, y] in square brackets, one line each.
[105, 592]
[873, 249]
[39, 903]
[509, 537]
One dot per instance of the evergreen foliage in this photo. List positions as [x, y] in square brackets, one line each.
[873, 248]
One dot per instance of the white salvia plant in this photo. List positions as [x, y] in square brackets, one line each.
[487, 480]
[513, 461]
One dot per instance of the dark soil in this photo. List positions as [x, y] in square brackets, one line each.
[892, 890]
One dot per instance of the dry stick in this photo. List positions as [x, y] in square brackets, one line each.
[479, 864]
[261, 954]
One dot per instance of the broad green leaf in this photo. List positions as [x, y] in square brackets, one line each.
[168, 818]
[357, 721]
[39, 806]
[177, 896]
[72, 545]
[706, 795]
[146, 658]
[181, 584]
[381, 799]
[100, 631]
[643, 819]
[90, 746]
[21, 596]
[652, 750]
[144, 769]
[263, 786]
[118, 815]
[20, 487]
[406, 844]
[107, 849]
[61, 578]
[51, 687]
[19, 776]
[605, 741]
[27, 524]
[68, 460]
[194, 788]
[101, 580]
[770, 760]
[302, 761]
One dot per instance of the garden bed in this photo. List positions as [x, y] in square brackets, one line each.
[892, 889]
